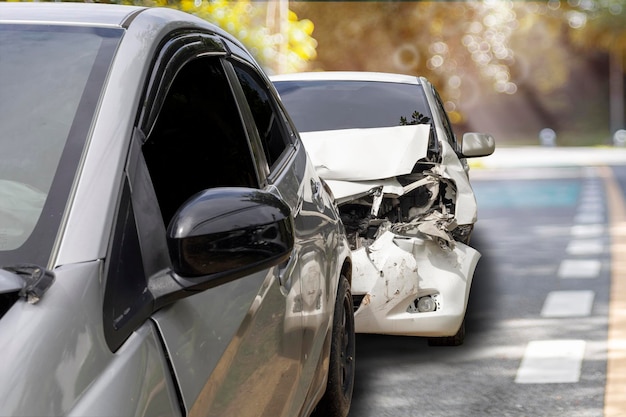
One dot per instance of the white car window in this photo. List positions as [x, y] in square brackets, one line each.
[332, 105]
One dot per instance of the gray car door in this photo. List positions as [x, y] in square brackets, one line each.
[230, 347]
[311, 267]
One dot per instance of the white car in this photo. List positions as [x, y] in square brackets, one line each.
[384, 146]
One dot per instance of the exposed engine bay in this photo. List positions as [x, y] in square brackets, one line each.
[425, 206]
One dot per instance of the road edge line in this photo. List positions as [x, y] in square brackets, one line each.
[614, 398]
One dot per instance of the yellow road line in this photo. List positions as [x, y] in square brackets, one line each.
[615, 393]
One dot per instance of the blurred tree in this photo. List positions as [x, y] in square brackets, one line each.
[273, 34]
[601, 25]
[462, 47]
[597, 23]
[470, 50]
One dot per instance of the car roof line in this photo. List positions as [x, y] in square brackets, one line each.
[129, 19]
[59, 23]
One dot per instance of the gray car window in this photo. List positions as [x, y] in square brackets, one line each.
[198, 141]
[266, 117]
[332, 105]
[50, 80]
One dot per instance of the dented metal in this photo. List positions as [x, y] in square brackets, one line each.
[408, 212]
[395, 272]
[385, 148]
[360, 154]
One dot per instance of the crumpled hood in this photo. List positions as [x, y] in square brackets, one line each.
[367, 154]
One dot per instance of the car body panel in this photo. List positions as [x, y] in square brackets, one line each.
[198, 349]
[80, 378]
[348, 76]
[391, 273]
[71, 14]
[373, 163]
[395, 271]
[94, 198]
[454, 169]
[272, 324]
[120, 388]
[371, 156]
[370, 170]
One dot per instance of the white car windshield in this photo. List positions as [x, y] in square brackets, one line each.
[316, 105]
[50, 79]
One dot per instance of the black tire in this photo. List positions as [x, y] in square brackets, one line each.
[456, 340]
[338, 396]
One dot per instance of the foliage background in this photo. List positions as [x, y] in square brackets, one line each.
[272, 33]
[510, 68]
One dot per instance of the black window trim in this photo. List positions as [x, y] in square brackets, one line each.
[180, 48]
[270, 174]
[136, 223]
[260, 161]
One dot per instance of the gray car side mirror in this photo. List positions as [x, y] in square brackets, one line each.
[220, 235]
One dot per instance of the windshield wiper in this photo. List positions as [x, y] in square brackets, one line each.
[32, 281]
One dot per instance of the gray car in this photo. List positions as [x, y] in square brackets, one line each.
[166, 246]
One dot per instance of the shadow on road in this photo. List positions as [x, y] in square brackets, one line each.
[377, 355]
[480, 303]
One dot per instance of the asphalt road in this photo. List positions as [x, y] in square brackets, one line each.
[538, 319]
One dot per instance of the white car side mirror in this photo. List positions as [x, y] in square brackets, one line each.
[477, 144]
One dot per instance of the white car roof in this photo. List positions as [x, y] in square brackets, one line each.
[85, 14]
[348, 76]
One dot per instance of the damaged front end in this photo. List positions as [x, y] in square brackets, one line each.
[408, 214]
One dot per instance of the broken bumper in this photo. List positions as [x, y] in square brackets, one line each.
[395, 272]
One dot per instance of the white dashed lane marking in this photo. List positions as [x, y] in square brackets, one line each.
[585, 247]
[587, 230]
[560, 361]
[591, 204]
[579, 268]
[594, 206]
[568, 304]
[589, 217]
[551, 361]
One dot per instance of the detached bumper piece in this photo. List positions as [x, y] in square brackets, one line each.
[411, 286]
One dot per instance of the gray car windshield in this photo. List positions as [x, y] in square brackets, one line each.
[333, 105]
[50, 81]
